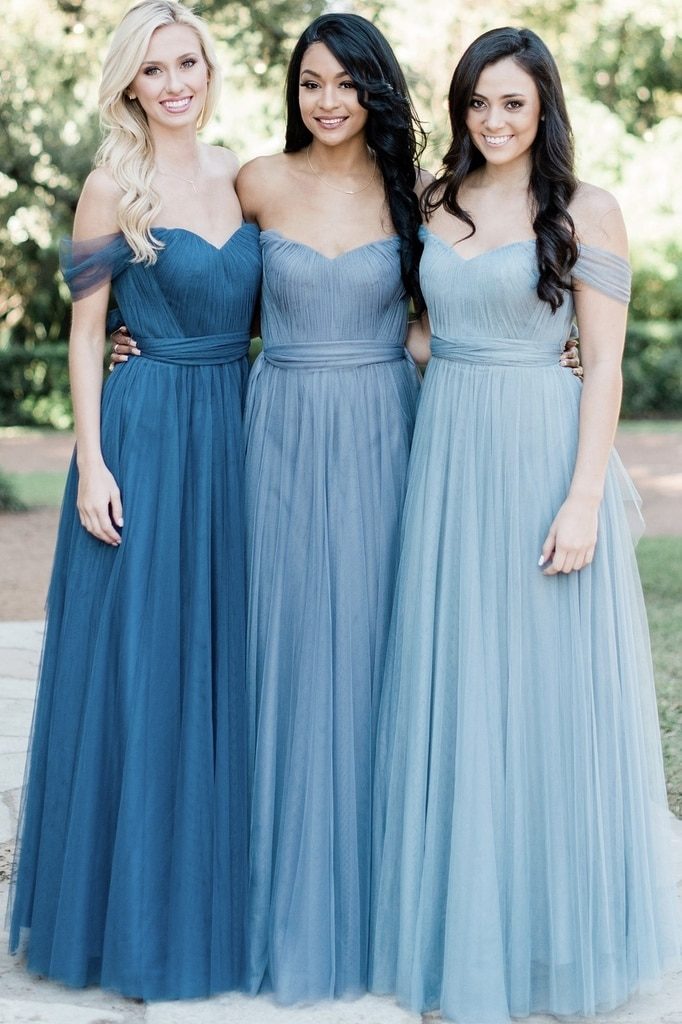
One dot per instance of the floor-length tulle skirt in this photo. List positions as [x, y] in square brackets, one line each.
[326, 465]
[131, 871]
[521, 827]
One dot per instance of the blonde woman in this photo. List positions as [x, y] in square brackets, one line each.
[131, 871]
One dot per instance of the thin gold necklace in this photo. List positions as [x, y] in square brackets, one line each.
[172, 174]
[345, 191]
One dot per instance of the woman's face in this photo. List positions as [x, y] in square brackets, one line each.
[504, 113]
[172, 82]
[328, 98]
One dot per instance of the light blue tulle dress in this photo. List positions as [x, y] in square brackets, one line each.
[521, 824]
[133, 859]
[329, 419]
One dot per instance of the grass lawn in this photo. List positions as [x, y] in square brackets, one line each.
[35, 489]
[660, 563]
[651, 426]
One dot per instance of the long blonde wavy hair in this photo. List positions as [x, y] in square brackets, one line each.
[127, 149]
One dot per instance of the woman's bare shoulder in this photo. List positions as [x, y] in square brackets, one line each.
[97, 210]
[598, 219]
[263, 181]
[222, 161]
[424, 179]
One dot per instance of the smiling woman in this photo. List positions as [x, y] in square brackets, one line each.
[504, 113]
[329, 415]
[132, 862]
[521, 859]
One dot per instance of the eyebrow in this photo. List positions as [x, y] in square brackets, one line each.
[184, 56]
[307, 71]
[507, 95]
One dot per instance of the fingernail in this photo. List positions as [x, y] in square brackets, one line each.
[541, 560]
[119, 522]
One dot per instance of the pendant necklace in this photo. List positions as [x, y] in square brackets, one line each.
[345, 191]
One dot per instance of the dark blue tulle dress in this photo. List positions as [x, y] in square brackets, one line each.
[131, 872]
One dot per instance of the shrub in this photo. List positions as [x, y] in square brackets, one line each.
[652, 369]
[34, 386]
[9, 502]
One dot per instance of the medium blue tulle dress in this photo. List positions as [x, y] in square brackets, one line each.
[521, 825]
[132, 865]
[329, 419]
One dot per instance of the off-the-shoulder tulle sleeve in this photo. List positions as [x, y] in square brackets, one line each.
[604, 271]
[89, 264]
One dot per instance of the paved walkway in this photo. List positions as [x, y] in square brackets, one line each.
[24, 999]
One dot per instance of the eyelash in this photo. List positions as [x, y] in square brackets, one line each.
[512, 104]
[151, 71]
[310, 85]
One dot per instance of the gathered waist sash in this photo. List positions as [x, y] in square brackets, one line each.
[332, 355]
[207, 350]
[494, 351]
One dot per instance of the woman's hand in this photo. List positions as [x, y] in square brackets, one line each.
[572, 537]
[123, 346]
[99, 503]
[418, 342]
[570, 357]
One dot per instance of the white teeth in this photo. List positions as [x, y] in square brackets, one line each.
[497, 140]
[177, 104]
[331, 122]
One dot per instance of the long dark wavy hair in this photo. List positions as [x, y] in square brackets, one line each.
[393, 130]
[552, 178]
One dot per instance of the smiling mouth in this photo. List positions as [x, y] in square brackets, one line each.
[331, 122]
[177, 106]
[497, 140]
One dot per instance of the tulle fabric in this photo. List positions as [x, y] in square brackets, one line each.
[133, 837]
[329, 419]
[521, 826]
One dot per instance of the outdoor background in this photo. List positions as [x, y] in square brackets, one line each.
[621, 62]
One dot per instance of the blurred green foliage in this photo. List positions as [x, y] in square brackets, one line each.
[621, 62]
[652, 369]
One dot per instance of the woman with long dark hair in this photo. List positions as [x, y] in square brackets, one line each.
[521, 811]
[329, 416]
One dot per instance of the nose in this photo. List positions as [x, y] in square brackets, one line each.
[327, 98]
[494, 117]
[174, 81]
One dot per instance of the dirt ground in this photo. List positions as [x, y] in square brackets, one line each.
[27, 539]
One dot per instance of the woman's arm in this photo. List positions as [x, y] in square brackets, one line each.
[418, 342]
[99, 500]
[571, 540]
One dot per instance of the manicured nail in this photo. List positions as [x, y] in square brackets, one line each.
[541, 560]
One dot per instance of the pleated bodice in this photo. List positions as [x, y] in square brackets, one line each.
[518, 328]
[195, 290]
[307, 317]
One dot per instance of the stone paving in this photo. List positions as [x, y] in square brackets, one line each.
[27, 1000]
